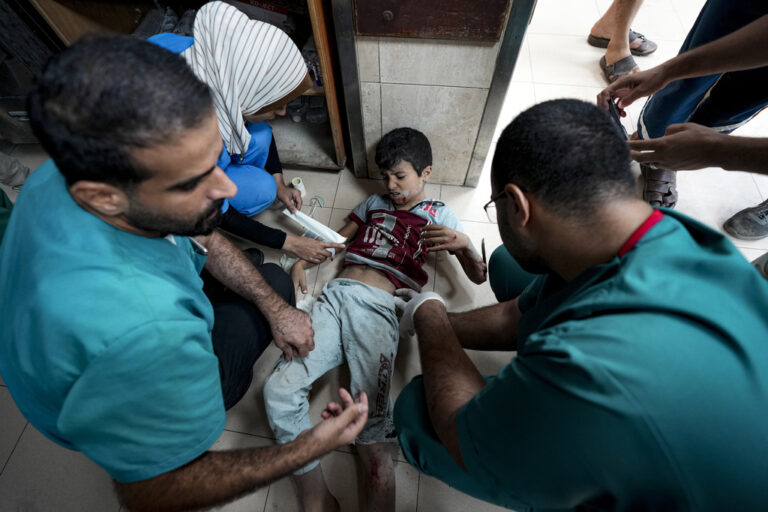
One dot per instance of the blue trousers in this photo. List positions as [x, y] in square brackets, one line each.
[721, 101]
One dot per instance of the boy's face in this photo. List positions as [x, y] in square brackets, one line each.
[405, 186]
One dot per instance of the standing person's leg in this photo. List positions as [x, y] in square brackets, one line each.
[370, 335]
[241, 333]
[679, 101]
[612, 31]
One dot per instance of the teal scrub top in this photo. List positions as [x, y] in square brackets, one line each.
[105, 336]
[642, 384]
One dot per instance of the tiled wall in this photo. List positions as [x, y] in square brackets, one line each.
[436, 86]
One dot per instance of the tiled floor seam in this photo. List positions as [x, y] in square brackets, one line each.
[16, 444]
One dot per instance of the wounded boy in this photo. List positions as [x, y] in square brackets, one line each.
[354, 319]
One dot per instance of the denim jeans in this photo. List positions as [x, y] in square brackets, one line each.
[353, 322]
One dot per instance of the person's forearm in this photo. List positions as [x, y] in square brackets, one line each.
[489, 328]
[230, 266]
[241, 225]
[450, 378]
[749, 154]
[741, 49]
[217, 477]
[472, 264]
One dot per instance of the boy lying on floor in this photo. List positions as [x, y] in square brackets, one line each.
[354, 319]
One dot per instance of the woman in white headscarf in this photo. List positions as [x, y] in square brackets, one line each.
[253, 70]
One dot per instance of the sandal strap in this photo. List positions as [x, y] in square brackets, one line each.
[659, 174]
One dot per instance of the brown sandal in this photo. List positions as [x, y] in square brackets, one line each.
[660, 186]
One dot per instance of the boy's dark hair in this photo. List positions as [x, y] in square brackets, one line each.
[404, 144]
[106, 95]
[568, 154]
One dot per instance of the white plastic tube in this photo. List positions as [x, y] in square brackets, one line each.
[314, 227]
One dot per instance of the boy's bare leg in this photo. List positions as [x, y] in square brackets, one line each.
[379, 467]
[313, 493]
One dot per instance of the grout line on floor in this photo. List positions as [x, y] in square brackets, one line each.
[760, 192]
[14, 448]
[249, 434]
[266, 500]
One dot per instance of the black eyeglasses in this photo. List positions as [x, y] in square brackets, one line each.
[490, 206]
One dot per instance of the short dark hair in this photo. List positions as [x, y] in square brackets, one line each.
[105, 95]
[567, 153]
[404, 144]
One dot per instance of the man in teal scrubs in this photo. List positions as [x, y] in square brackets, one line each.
[641, 375]
[105, 330]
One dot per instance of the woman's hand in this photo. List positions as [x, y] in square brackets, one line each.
[288, 195]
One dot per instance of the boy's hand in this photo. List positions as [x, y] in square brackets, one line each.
[341, 424]
[442, 238]
[299, 277]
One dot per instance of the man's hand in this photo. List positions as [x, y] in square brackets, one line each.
[292, 330]
[341, 422]
[309, 249]
[288, 195]
[683, 146]
[408, 301]
[633, 86]
[442, 238]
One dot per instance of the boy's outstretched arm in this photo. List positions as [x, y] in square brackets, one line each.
[299, 277]
[443, 238]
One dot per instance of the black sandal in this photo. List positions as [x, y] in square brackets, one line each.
[660, 187]
[617, 69]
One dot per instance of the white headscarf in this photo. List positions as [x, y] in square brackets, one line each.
[246, 63]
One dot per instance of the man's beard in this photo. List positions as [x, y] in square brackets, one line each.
[521, 250]
[147, 220]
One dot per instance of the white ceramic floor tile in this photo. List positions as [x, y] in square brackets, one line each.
[657, 19]
[234, 441]
[761, 181]
[12, 426]
[468, 202]
[522, 72]
[249, 415]
[687, 11]
[435, 496]
[751, 254]
[343, 475]
[353, 191]
[317, 183]
[568, 60]
[41, 475]
[713, 195]
[520, 97]
[564, 17]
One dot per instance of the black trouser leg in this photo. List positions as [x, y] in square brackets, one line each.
[240, 332]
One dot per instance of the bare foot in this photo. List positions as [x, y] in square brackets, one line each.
[313, 493]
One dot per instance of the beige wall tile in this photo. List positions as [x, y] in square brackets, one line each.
[449, 116]
[367, 58]
[370, 97]
[437, 62]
